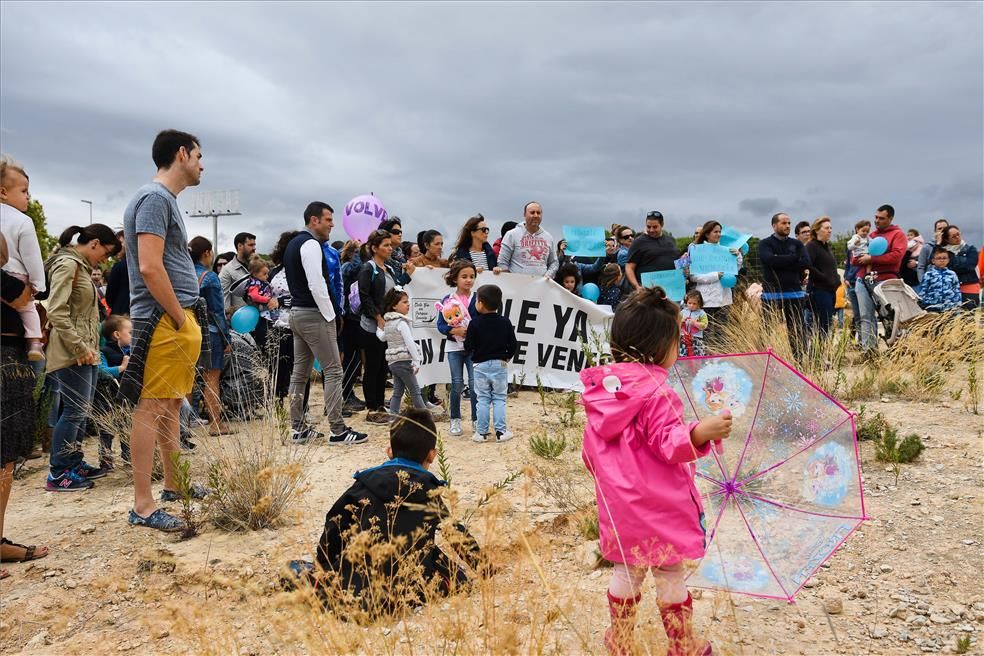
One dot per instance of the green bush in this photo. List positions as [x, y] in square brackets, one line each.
[871, 426]
[890, 449]
[548, 446]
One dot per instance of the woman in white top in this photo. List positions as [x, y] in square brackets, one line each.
[717, 297]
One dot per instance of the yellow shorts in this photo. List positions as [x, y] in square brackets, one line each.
[171, 359]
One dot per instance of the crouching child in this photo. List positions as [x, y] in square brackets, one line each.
[377, 554]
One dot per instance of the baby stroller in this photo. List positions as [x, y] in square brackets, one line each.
[243, 379]
[896, 304]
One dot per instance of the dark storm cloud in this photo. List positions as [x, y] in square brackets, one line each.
[601, 112]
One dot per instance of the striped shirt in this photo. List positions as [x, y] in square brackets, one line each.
[479, 259]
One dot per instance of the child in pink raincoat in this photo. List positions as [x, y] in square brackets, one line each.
[641, 454]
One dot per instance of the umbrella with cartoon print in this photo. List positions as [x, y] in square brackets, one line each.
[784, 492]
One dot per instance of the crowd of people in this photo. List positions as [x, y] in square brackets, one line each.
[153, 340]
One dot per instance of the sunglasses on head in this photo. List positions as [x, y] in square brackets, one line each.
[655, 215]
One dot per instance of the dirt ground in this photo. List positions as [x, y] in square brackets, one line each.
[908, 581]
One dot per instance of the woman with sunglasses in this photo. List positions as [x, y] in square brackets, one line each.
[395, 229]
[473, 244]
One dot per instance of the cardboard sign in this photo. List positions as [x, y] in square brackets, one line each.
[712, 258]
[673, 283]
[584, 241]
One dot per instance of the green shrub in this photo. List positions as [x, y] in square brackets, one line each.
[587, 526]
[548, 446]
[871, 426]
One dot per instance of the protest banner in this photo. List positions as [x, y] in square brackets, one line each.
[584, 241]
[673, 282]
[711, 258]
[550, 325]
[731, 238]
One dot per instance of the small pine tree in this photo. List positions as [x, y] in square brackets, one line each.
[48, 243]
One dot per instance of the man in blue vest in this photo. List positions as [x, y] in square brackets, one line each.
[314, 313]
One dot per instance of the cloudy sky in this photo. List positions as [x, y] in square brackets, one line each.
[601, 112]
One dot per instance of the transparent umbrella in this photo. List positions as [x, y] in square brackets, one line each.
[784, 491]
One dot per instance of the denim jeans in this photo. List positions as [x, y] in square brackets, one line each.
[822, 302]
[867, 316]
[491, 384]
[76, 387]
[852, 297]
[404, 380]
[458, 361]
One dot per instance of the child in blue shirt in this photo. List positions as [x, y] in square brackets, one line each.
[940, 288]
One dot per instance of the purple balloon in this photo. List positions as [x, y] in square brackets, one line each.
[362, 215]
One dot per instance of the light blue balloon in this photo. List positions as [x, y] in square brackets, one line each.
[744, 248]
[244, 319]
[729, 280]
[317, 365]
[878, 246]
[591, 292]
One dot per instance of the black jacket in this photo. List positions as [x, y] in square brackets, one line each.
[823, 266]
[372, 287]
[396, 503]
[783, 263]
[118, 288]
[10, 319]
[490, 337]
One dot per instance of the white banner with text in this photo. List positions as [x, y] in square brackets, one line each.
[553, 327]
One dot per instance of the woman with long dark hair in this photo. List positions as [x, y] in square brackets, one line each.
[73, 348]
[431, 250]
[963, 261]
[473, 244]
[376, 277]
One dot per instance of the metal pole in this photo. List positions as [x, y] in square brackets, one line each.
[215, 234]
[89, 203]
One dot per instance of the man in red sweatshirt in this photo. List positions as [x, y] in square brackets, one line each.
[881, 268]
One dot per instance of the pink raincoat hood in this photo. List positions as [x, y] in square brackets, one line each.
[614, 394]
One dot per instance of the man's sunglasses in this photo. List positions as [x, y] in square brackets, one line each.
[655, 215]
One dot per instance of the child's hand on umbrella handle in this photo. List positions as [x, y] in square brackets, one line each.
[711, 429]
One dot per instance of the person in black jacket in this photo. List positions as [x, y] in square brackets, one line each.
[785, 265]
[118, 282]
[824, 279]
[397, 504]
[376, 277]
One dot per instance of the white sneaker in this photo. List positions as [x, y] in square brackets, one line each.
[456, 427]
[504, 436]
[435, 410]
[477, 437]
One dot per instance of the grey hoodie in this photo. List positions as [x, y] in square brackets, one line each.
[530, 254]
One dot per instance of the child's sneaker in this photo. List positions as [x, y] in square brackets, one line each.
[67, 481]
[478, 437]
[503, 436]
[456, 427]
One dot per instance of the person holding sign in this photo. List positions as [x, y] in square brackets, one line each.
[653, 251]
[717, 297]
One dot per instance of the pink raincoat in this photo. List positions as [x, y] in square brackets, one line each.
[638, 448]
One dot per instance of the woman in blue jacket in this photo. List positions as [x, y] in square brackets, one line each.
[473, 244]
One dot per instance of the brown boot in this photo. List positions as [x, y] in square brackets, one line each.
[618, 637]
[680, 630]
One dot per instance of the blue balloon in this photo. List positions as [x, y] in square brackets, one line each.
[244, 319]
[729, 280]
[591, 292]
[878, 246]
[317, 365]
[744, 248]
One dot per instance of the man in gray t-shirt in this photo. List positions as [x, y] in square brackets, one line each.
[154, 210]
[162, 277]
